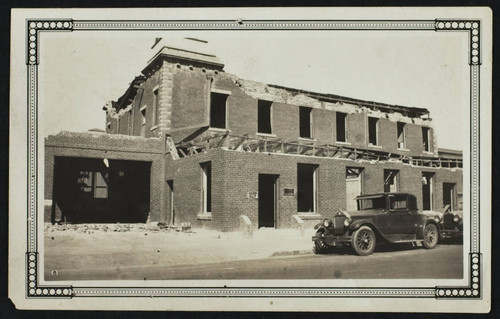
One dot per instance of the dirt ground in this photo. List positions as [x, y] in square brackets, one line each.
[71, 247]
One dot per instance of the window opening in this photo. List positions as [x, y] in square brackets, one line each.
[341, 127]
[143, 120]
[401, 135]
[354, 185]
[207, 186]
[428, 191]
[425, 139]
[373, 131]
[305, 120]
[264, 117]
[131, 122]
[93, 182]
[391, 179]
[218, 110]
[155, 107]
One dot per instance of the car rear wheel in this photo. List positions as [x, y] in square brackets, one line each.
[431, 236]
[363, 241]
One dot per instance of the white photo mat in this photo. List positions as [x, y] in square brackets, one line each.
[26, 285]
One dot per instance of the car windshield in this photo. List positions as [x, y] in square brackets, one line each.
[371, 203]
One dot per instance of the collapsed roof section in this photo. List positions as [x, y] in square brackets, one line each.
[124, 101]
[271, 92]
[282, 94]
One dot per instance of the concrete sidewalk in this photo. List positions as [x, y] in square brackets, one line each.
[83, 247]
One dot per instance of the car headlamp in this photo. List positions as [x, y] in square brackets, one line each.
[327, 222]
[456, 218]
[347, 222]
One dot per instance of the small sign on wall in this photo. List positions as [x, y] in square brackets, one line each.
[253, 195]
[288, 191]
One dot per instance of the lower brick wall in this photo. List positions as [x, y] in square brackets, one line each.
[236, 175]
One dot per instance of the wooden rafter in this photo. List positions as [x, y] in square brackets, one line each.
[305, 148]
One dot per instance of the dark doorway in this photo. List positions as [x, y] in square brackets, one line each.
[427, 191]
[268, 195]
[93, 190]
[306, 188]
[449, 195]
[170, 202]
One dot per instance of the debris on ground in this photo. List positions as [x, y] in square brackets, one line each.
[118, 227]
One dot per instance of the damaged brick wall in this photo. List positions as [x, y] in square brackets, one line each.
[235, 175]
[184, 87]
[189, 97]
[186, 174]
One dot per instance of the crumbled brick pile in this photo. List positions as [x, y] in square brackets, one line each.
[92, 228]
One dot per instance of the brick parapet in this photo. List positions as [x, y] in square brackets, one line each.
[110, 142]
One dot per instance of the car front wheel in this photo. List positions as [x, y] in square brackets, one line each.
[363, 241]
[319, 248]
[431, 236]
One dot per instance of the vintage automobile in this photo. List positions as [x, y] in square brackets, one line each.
[385, 217]
[452, 224]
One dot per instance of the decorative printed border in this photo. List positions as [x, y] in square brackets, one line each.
[34, 28]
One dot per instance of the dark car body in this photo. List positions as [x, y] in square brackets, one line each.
[390, 217]
[452, 224]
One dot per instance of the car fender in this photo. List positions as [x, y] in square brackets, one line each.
[360, 222]
[439, 226]
[365, 222]
[318, 226]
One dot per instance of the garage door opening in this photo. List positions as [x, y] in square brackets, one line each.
[89, 190]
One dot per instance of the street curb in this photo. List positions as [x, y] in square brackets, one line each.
[292, 253]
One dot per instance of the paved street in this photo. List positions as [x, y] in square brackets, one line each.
[391, 261]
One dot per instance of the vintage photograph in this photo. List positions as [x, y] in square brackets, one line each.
[253, 153]
[184, 170]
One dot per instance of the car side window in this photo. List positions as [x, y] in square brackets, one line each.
[398, 203]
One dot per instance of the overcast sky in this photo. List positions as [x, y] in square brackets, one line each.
[80, 71]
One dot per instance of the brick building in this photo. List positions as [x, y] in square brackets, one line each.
[188, 142]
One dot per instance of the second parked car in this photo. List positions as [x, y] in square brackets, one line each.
[390, 217]
[452, 225]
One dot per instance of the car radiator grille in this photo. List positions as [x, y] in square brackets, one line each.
[338, 225]
[448, 221]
